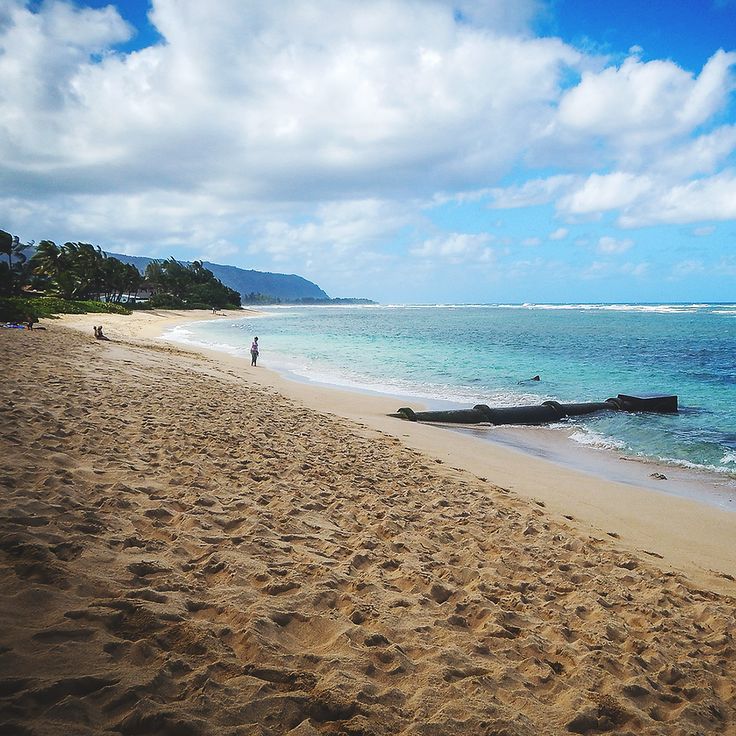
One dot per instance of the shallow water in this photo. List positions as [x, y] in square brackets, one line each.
[482, 354]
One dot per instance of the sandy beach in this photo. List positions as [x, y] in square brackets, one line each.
[193, 546]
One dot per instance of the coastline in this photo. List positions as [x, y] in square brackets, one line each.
[683, 532]
[580, 445]
[189, 545]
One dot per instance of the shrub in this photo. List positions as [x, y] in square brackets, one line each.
[165, 301]
[16, 309]
[19, 309]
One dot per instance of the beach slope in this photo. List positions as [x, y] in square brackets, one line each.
[185, 551]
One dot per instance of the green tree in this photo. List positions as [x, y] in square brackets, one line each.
[6, 244]
[48, 264]
[15, 274]
[118, 279]
[86, 263]
[176, 284]
[73, 270]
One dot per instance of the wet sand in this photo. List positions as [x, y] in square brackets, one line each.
[193, 546]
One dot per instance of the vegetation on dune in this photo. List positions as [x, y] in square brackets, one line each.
[79, 277]
[21, 309]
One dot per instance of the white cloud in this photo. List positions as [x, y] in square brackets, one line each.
[702, 232]
[710, 198]
[645, 200]
[596, 269]
[637, 270]
[340, 226]
[605, 192]
[610, 246]
[702, 155]
[41, 55]
[607, 269]
[682, 269]
[456, 248]
[532, 192]
[323, 133]
[531, 242]
[640, 103]
[286, 101]
[560, 234]
[726, 266]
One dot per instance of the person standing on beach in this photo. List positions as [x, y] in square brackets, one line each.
[254, 351]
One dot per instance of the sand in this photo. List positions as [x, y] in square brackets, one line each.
[188, 546]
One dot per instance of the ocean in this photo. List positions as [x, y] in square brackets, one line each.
[459, 355]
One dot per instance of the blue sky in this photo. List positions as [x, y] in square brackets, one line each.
[403, 150]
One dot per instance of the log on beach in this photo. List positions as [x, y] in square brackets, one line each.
[544, 413]
[184, 552]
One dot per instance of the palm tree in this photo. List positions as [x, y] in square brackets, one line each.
[86, 264]
[133, 280]
[47, 262]
[6, 246]
[14, 274]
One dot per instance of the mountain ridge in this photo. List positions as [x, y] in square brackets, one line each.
[287, 287]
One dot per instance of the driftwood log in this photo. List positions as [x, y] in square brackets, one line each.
[547, 411]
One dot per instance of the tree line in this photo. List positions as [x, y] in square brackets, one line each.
[81, 271]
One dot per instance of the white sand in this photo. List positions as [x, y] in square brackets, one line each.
[692, 537]
[189, 546]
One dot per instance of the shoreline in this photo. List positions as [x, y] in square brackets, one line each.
[552, 444]
[686, 534]
[189, 545]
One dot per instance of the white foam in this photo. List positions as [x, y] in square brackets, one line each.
[644, 308]
[180, 334]
[690, 465]
[591, 438]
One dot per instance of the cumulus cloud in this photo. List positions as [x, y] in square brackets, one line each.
[323, 132]
[709, 198]
[560, 234]
[607, 269]
[532, 192]
[705, 154]
[41, 57]
[611, 246]
[726, 266]
[683, 269]
[605, 192]
[647, 102]
[343, 227]
[456, 248]
[287, 101]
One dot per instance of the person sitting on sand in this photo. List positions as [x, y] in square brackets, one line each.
[254, 351]
[98, 333]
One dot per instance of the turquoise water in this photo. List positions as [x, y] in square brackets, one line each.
[466, 355]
